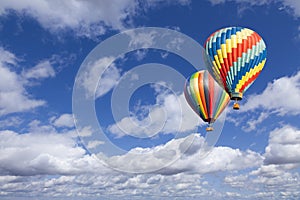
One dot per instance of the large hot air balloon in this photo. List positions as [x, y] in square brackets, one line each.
[205, 96]
[235, 58]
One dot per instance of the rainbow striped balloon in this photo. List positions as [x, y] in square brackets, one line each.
[237, 56]
[205, 96]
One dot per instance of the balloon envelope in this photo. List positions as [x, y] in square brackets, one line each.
[236, 56]
[205, 96]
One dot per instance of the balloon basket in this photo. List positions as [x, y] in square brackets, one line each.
[236, 106]
[208, 129]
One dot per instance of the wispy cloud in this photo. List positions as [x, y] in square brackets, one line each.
[76, 16]
[102, 71]
[290, 6]
[42, 70]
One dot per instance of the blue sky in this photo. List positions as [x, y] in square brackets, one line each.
[44, 45]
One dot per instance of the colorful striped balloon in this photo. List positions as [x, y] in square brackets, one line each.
[236, 57]
[205, 96]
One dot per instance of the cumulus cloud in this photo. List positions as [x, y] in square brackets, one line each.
[13, 95]
[277, 98]
[43, 150]
[170, 114]
[266, 182]
[284, 146]
[64, 120]
[189, 155]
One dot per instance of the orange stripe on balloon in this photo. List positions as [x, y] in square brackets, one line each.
[201, 92]
[211, 95]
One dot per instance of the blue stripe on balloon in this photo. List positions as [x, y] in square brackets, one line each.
[223, 38]
[253, 63]
[228, 34]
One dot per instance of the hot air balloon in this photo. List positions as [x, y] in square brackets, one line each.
[235, 57]
[205, 97]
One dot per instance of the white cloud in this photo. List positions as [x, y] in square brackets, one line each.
[102, 70]
[43, 69]
[76, 15]
[94, 144]
[65, 120]
[266, 182]
[294, 5]
[85, 131]
[108, 80]
[191, 155]
[281, 96]
[252, 123]
[43, 150]
[13, 95]
[7, 57]
[170, 114]
[278, 176]
[291, 6]
[141, 54]
[142, 40]
[284, 146]
[251, 2]
[13, 121]
[277, 180]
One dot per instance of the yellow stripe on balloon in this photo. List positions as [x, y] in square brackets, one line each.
[197, 93]
[239, 37]
[233, 41]
[223, 50]
[217, 61]
[220, 56]
[249, 75]
[228, 45]
[246, 33]
[216, 67]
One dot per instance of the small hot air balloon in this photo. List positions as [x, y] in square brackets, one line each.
[235, 57]
[205, 97]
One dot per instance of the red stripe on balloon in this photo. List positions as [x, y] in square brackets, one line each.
[211, 95]
[201, 91]
[243, 47]
[250, 80]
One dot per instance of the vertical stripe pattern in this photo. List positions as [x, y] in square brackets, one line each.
[205, 96]
[237, 57]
